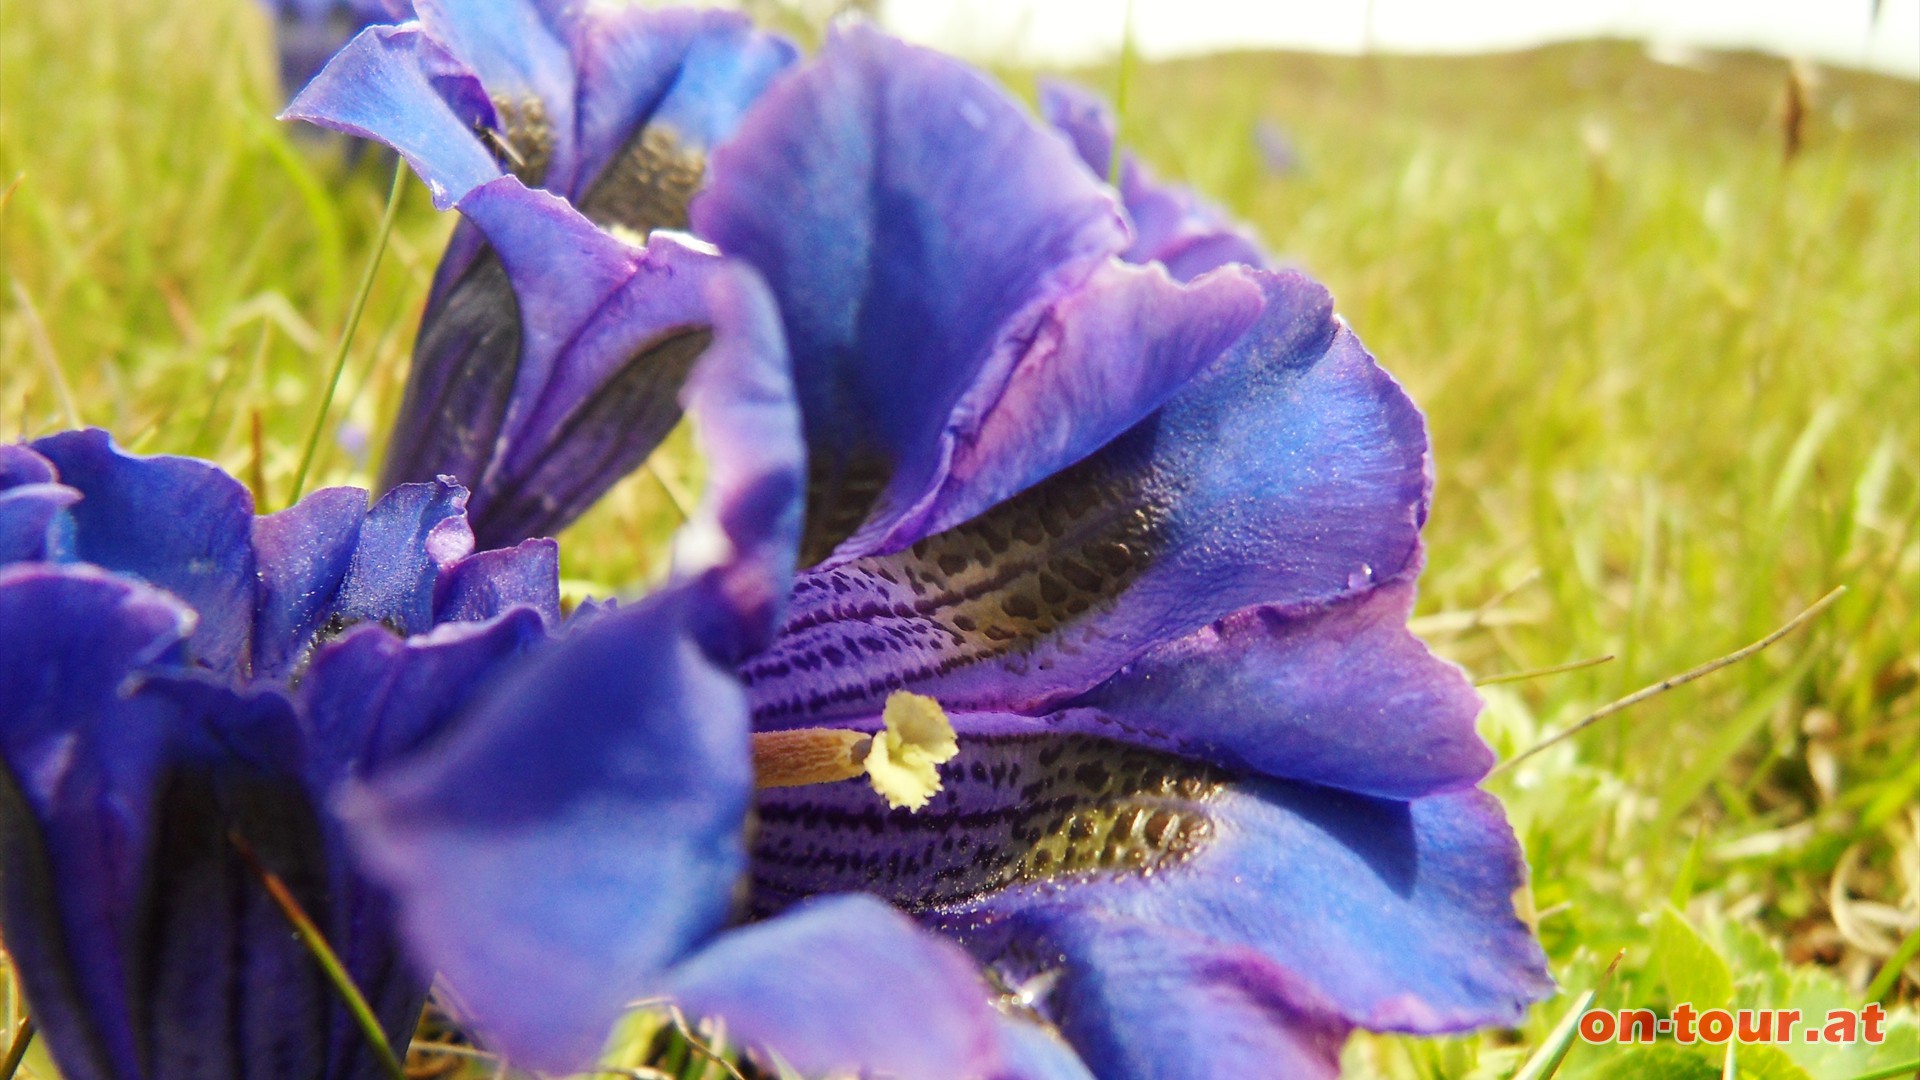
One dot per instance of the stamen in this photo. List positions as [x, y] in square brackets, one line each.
[903, 762]
[807, 756]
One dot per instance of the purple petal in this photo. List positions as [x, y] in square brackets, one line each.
[510, 46]
[747, 425]
[1171, 224]
[1397, 916]
[1102, 360]
[304, 552]
[549, 408]
[578, 832]
[20, 465]
[406, 541]
[176, 523]
[913, 225]
[1294, 472]
[1032, 1051]
[397, 86]
[1344, 696]
[372, 698]
[1143, 1002]
[146, 946]
[69, 636]
[658, 90]
[33, 524]
[846, 983]
[488, 583]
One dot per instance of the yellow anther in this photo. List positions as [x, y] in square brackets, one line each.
[903, 762]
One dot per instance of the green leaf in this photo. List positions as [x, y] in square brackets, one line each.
[1690, 967]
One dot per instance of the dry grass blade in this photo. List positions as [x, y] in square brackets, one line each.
[1536, 673]
[1681, 679]
[16, 1053]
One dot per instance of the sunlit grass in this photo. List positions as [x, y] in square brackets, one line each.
[1673, 382]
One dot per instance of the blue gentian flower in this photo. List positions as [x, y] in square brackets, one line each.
[174, 669]
[308, 32]
[1149, 544]
[1172, 224]
[602, 109]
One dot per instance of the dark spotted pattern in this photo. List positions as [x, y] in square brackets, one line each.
[1025, 571]
[1014, 809]
[648, 185]
[523, 143]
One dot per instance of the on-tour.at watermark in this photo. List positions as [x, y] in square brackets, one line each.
[1715, 1026]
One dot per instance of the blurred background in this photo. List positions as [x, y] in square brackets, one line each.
[1652, 270]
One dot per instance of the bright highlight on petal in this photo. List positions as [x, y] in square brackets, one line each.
[903, 764]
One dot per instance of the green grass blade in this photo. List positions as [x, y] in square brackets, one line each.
[1883, 983]
[1911, 1068]
[346, 332]
[1559, 1042]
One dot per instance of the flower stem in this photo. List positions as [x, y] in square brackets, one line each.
[353, 323]
[316, 943]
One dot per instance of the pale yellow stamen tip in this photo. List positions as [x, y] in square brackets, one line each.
[903, 763]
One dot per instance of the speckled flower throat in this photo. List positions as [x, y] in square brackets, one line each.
[1013, 810]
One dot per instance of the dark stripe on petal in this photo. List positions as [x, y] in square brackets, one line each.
[602, 439]
[464, 367]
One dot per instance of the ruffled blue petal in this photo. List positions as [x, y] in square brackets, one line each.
[303, 554]
[398, 86]
[33, 523]
[1294, 472]
[1171, 224]
[578, 833]
[32, 526]
[413, 534]
[1391, 915]
[846, 983]
[1101, 360]
[1143, 1002]
[177, 523]
[372, 697]
[488, 583]
[1396, 916]
[913, 225]
[1343, 696]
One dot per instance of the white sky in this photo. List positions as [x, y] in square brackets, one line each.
[1070, 31]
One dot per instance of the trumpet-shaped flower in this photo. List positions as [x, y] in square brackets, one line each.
[1148, 545]
[151, 632]
[519, 113]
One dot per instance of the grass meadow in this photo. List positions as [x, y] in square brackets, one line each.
[1672, 372]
